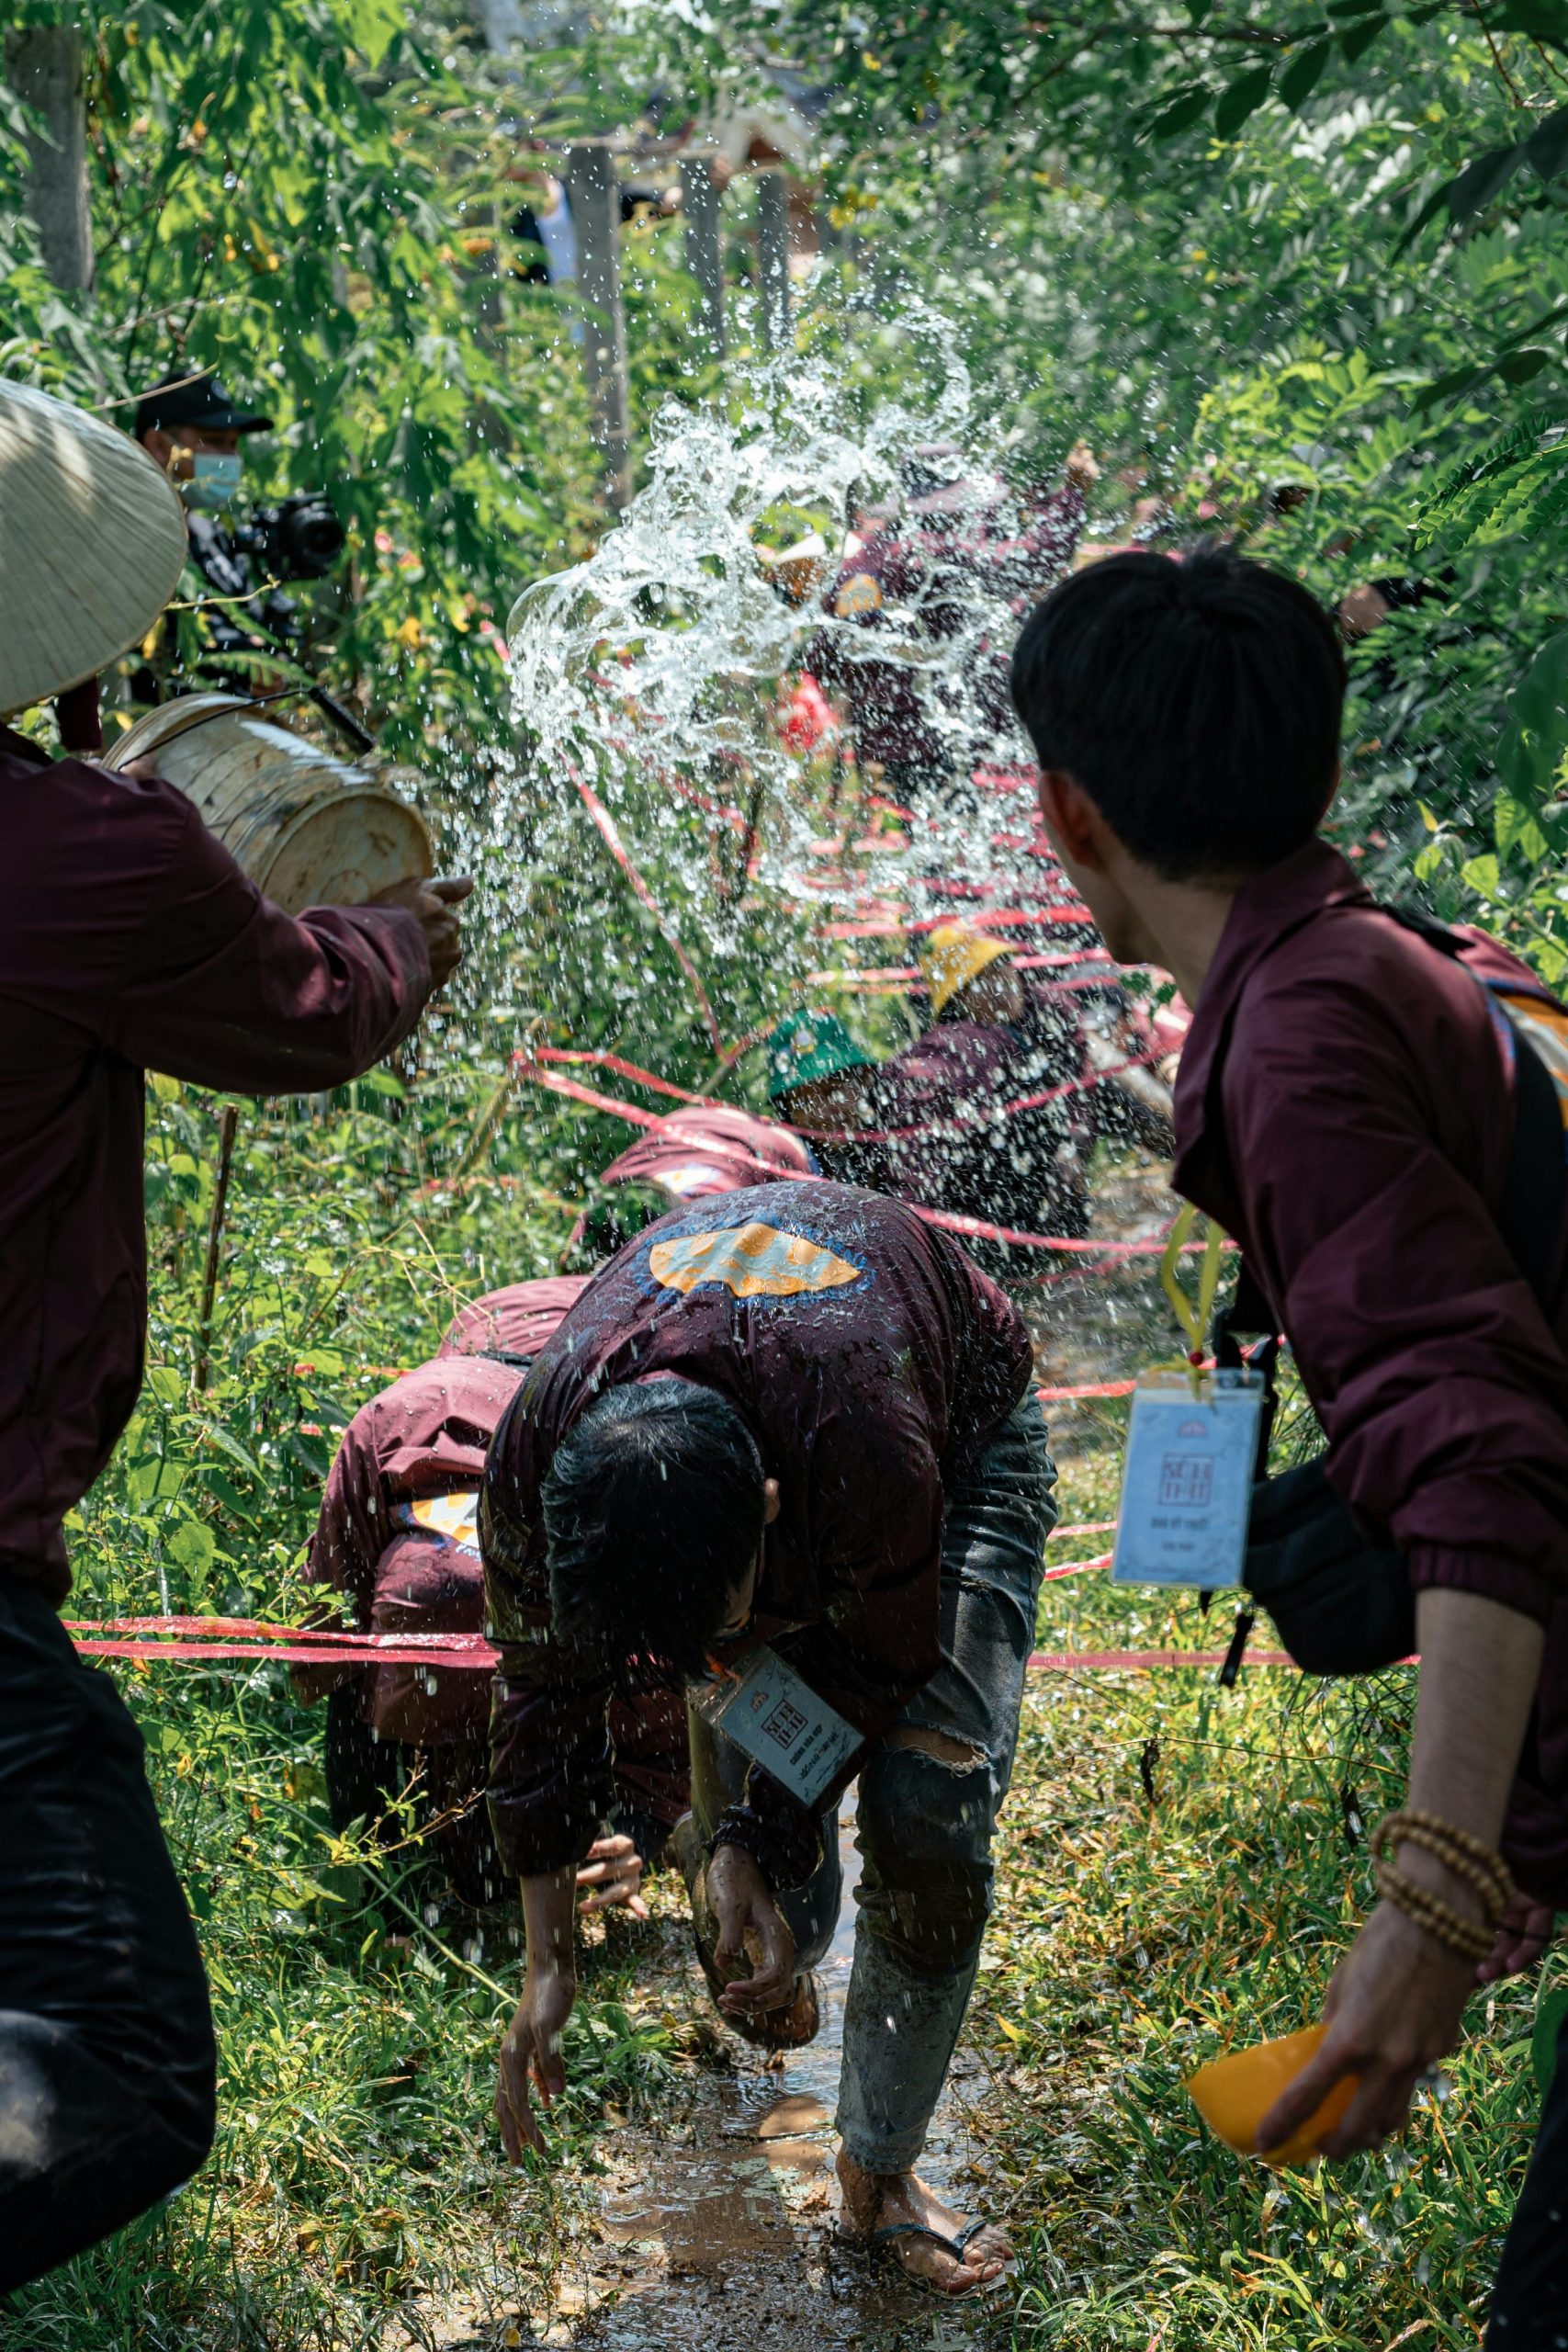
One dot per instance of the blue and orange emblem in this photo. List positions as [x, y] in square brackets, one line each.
[754, 1260]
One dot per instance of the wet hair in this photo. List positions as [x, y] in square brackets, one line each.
[653, 1513]
[1196, 702]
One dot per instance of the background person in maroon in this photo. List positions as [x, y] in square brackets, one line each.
[1345, 1108]
[421, 1440]
[128, 939]
[793, 1415]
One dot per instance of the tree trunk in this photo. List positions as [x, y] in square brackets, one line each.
[594, 193]
[43, 65]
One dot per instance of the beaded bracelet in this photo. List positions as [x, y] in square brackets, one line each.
[1468, 1858]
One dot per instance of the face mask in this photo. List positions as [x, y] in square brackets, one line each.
[215, 478]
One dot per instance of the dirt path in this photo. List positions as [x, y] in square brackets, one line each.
[728, 2213]
[724, 2211]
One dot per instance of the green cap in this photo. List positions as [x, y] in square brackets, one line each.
[806, 1046]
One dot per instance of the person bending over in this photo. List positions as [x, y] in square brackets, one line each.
[787, 1433]
[397, 1535]
[1345, 1108]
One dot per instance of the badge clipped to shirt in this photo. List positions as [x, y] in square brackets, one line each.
[780, 1722]
[1191, 1458]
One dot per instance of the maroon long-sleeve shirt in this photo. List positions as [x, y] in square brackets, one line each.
[1344, 1109]
[396, 1535]
[870, 1359]
[128, 940]
[923, 582]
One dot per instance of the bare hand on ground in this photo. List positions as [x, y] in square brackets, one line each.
[875, 2200]
[751, 1927]
[613, 1873]
[434, 907]
[530, 2056]
[1393, 2011]
[1522, 1937]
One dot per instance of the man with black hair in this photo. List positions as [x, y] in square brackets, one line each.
[1345, 1108]
[784, 1435]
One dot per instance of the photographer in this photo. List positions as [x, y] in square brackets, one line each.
[191, 428]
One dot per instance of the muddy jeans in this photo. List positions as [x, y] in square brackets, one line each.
[924, 1827]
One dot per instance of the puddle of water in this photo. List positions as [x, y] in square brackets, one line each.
[746, 2218]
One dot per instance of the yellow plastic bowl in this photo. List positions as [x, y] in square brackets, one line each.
[1235, 2093]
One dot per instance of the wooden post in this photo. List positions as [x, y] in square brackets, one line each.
[705, 253]
[43, 65]
[593, 192]
[772, 250]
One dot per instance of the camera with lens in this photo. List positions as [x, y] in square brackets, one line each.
[300, 539]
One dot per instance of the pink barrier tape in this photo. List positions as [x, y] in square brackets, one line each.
[975, 1228]
[612, 842]
[1082, 1527]
[1079, 1568]
[480, 1654]
[1091, 1388]
[1145, 1662]
[639, 1077]
[1014, 916]
[200, 1653]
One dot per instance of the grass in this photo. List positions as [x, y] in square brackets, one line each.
[1180, 1869]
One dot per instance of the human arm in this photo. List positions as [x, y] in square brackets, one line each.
[1395, 2006]
[530, 2048]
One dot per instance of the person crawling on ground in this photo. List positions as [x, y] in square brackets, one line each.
[784, 1449]
[819, 1080]
[397, 1535]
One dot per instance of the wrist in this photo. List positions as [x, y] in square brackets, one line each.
[1428, 1871]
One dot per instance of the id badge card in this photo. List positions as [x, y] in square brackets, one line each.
[780, 1722]
[1187, 1480]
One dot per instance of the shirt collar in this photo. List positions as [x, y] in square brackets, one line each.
[1264, 911]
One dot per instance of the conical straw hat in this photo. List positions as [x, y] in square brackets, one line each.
[92, 538]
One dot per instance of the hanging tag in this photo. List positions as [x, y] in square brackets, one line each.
[765, 1708]
[1187, 1479]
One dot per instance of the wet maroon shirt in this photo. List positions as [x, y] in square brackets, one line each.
[932, 573]
[1345, 1108]
[871, 1363]
[944, 1111]
[426, 1436]
[129, 940]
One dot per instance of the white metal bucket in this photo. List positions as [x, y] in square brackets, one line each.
[310, 829]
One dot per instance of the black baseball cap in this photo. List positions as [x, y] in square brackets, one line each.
[201, 401]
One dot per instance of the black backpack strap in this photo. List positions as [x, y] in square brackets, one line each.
[1531, 1211]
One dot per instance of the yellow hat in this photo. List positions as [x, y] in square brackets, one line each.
[953, 955]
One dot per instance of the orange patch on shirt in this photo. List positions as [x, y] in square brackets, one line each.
[753, 1261]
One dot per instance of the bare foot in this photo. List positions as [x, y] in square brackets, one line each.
[875, 2200]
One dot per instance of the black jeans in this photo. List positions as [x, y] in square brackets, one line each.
[1530, 2302]
[106, 2059]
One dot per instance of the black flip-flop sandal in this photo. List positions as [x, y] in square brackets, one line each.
[879, 2249]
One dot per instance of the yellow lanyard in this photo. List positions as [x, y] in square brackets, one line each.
[1193, 1319]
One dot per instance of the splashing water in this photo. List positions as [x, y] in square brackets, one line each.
[648, 680]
